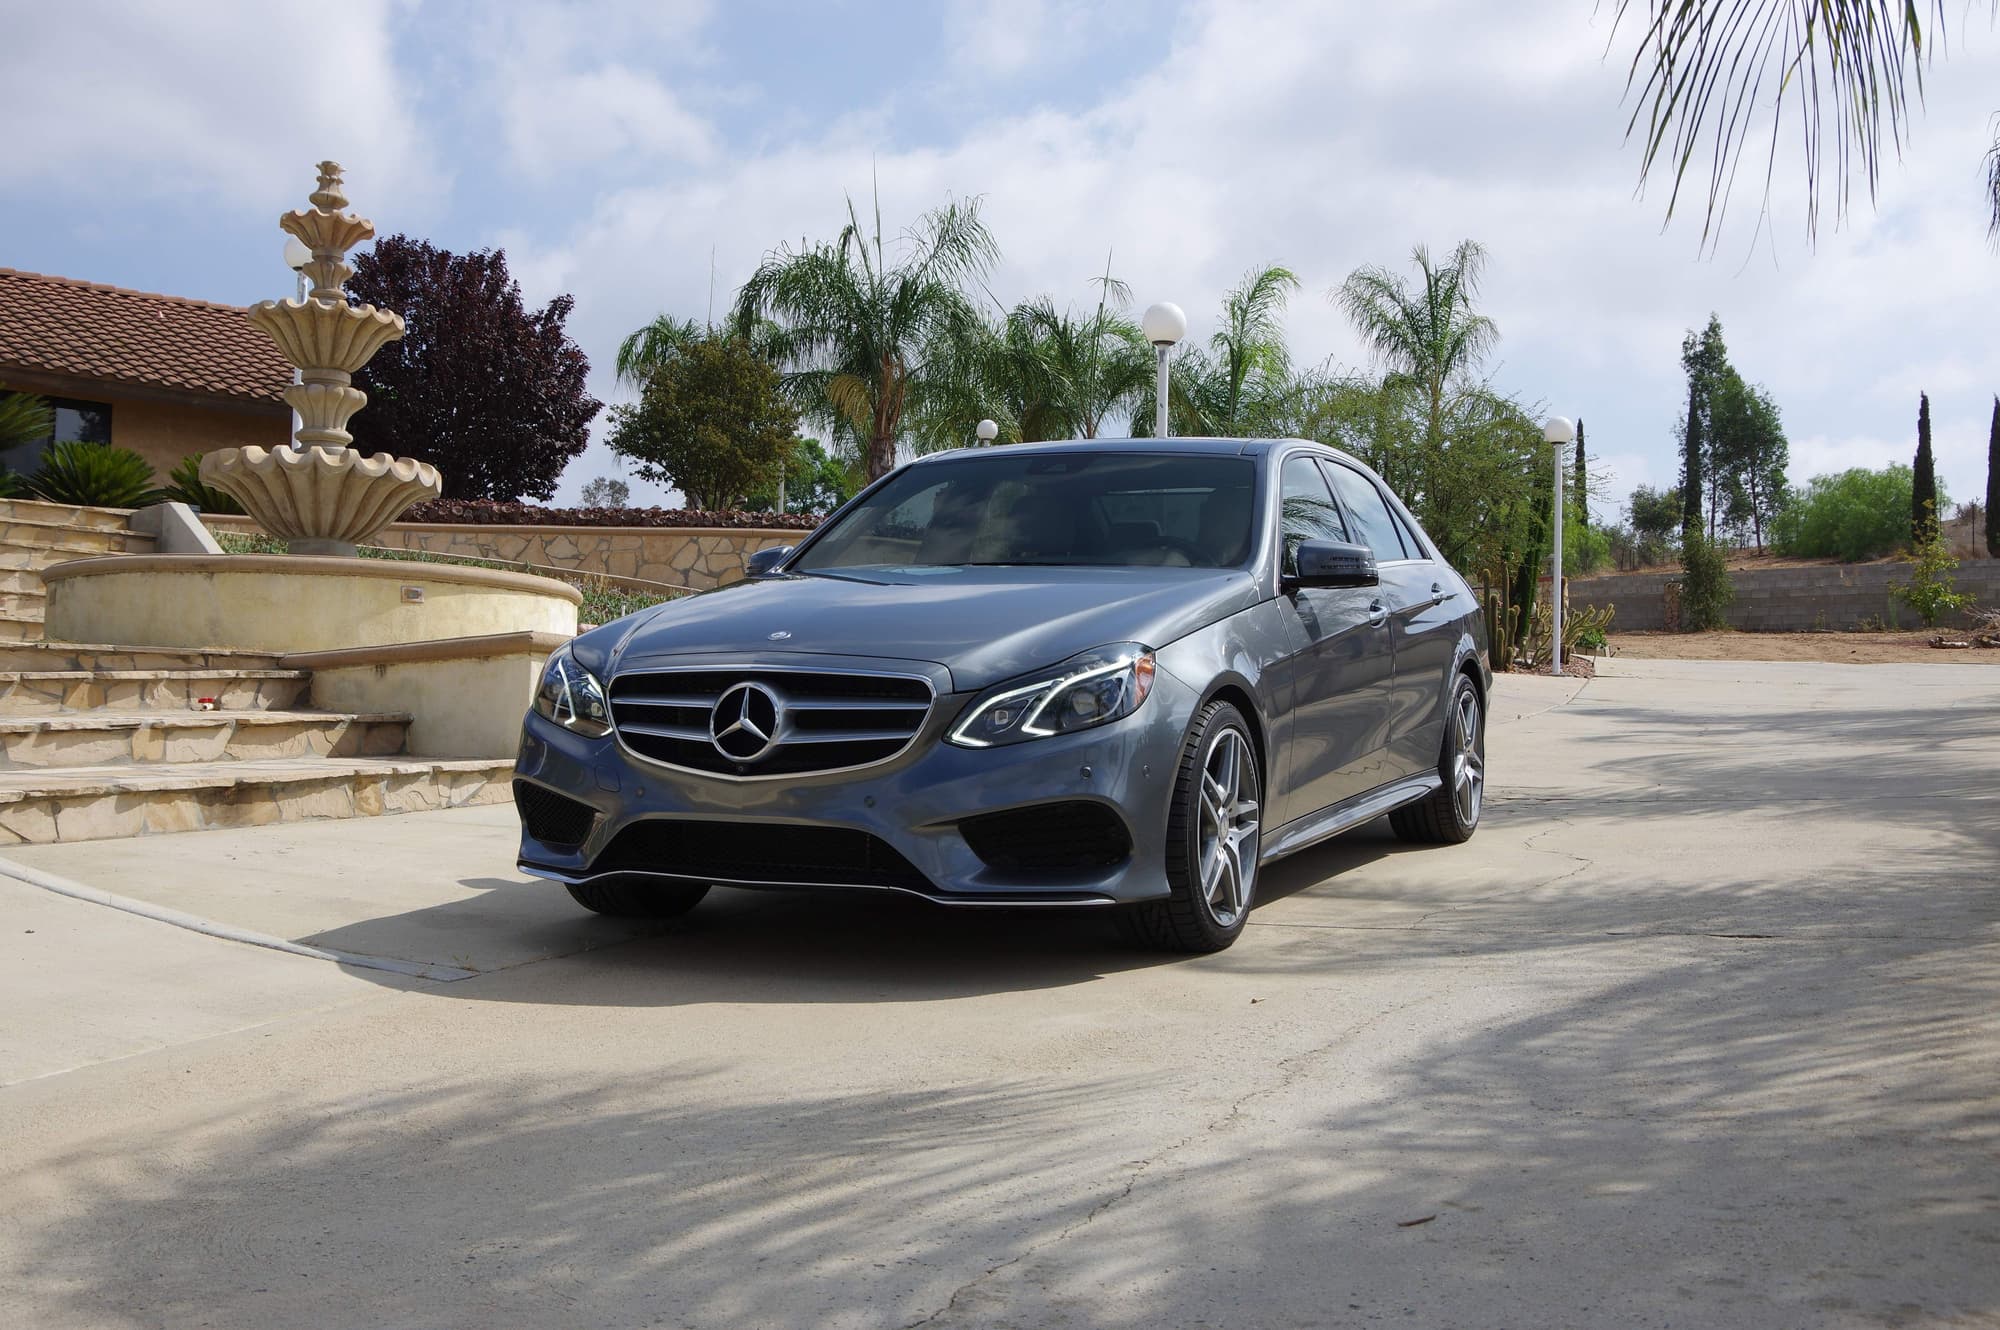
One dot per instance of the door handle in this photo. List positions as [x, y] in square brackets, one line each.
[1377, 615]
[1439, 595]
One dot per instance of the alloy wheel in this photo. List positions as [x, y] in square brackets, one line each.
[1468, 765]
[1228, 838]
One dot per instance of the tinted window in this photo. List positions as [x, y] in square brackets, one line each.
[1370, 512]
[1076, 507]
[88, 422]
[1307, 511]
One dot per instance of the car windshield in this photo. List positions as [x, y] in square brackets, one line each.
[1071, 508]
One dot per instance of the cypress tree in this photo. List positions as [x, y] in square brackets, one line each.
[1582, 478]
[1993, 485]
[1692, 447]
[1923, 490]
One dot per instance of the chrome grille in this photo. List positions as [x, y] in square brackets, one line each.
[824, 720]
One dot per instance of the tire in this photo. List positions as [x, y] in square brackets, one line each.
[1450, 814]
[637, 897]
[1212, 840]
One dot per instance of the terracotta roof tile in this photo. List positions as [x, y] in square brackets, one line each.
[56, 325]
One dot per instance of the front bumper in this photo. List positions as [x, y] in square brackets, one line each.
[914, 804]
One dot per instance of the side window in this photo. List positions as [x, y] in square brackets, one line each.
[1370, 512]
[1308, 511]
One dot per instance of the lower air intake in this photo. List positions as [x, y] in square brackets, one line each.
[552, 818]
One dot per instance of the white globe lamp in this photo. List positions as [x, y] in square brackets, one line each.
[1164, 325]
[987, 430]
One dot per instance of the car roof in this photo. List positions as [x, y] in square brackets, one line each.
[1214, 447]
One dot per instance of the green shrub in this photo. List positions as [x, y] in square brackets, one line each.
[1932, 591]
[1586, 548]
[185, 485]
[94, 474]
[1706, 591]
[1858, 514]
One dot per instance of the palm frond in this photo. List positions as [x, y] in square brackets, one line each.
[1702, 68]
[1993, 184]
[654, 345]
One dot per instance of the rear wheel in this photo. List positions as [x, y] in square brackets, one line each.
[1450, 814]
[637, 897]
[1212, 840]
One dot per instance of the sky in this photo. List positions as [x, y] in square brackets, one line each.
[643, 155]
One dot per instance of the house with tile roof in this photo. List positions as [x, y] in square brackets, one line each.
[162, 375]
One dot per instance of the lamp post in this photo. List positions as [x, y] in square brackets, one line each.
[297, 256]
[987, 430]
[1164, 325]
[1560, 433]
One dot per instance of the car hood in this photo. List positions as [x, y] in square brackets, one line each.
[982, 624]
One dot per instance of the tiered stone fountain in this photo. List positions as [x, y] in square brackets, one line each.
[324, 499]
[321, 496]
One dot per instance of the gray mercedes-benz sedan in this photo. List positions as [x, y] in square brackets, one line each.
[1099, 673]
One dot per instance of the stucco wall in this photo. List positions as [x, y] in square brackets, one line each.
[1838, 596]
[678, 556]
[163, 433]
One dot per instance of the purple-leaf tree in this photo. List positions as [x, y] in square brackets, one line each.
[483, 388]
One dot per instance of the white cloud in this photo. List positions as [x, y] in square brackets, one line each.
[228, 100]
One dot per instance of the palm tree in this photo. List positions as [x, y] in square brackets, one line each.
[1091, 365]
[654, 345]
[1702, 65]
[867, 341]
[1239, 385]
[1427, 334]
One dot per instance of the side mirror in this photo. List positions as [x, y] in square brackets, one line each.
[1334, 563]
[763, 561]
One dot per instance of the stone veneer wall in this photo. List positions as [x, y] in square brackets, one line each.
[679, 556]
[1777, 600]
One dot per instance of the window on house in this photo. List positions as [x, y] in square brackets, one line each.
[76, 420]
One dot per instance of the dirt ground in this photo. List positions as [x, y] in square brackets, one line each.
[1849, 648]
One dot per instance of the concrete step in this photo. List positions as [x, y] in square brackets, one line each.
[114, 738]
[94, 657]
[20, 540]
[95, 803]
[64, 514]
[61, 692]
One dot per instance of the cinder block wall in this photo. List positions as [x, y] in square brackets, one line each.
[1788, 600]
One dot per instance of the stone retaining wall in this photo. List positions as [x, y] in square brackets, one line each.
[695, 557]
[1778, 600]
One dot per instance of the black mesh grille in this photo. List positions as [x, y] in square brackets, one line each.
[830, 720]
[550, 817]
[1049, 838]
[759, 852]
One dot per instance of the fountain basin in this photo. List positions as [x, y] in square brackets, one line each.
[283, 603]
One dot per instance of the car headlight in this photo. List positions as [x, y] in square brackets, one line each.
[1094, 688]
[570, 696]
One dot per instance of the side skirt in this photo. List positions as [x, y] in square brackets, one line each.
[1328, 822]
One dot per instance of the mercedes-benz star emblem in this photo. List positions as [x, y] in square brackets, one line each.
[744, 725]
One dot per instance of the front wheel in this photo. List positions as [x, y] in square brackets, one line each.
[637, 897]
[1450, 814]
[1212, 840]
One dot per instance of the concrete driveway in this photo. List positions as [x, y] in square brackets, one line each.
[1702, 1029]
